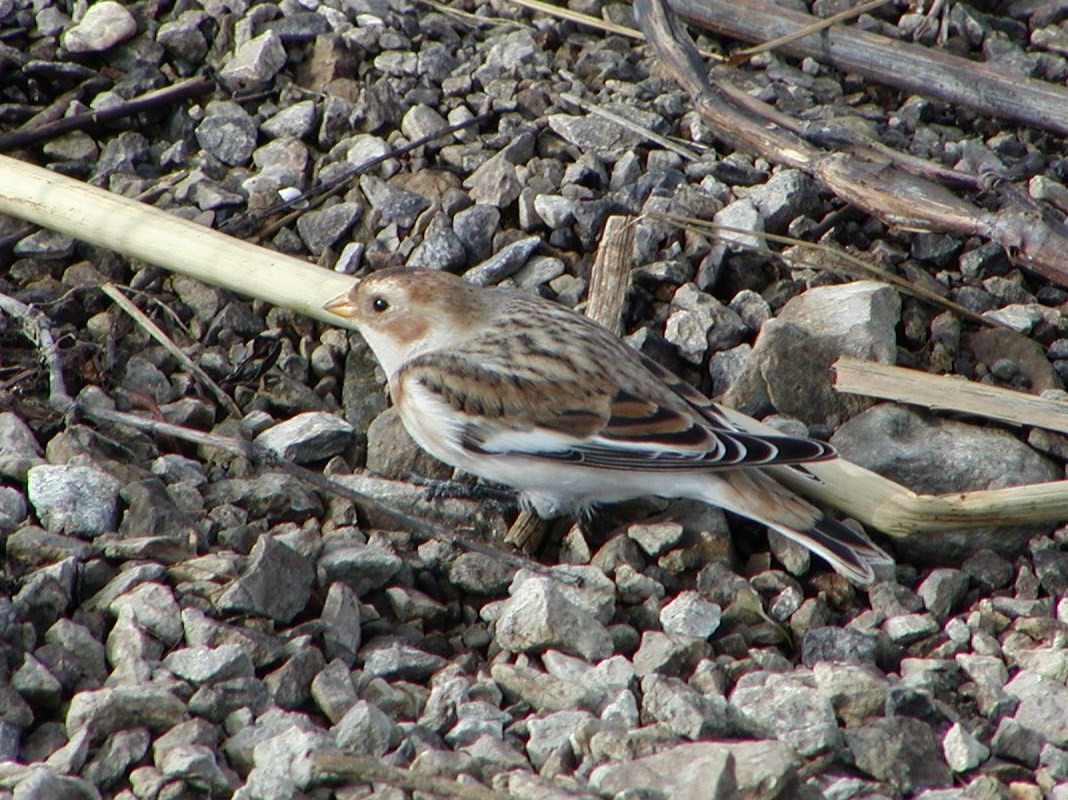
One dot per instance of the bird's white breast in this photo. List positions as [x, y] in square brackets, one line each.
[433, 423]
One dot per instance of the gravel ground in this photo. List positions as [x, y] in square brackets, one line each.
[178, 622]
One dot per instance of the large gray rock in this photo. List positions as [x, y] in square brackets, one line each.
[699, 322]
[786, 706]
[903, 751]
[856, 691]
[108, 710]
[540, 614]
[104, 25]
[154, 607]
[1043, 706]
[341, 623]
[683, 710]
[254, 62]
[962, 750]
[545, 692]
[598, 135]
[276, 584]
[553, 734]
[228, 132]
[73, 499]
[19, 449]
[789, 371]
[944, 456]
[312, 436]
[392, 453]
[710, 770]
[209, 664]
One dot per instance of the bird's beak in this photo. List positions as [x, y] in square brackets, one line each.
[343, 305]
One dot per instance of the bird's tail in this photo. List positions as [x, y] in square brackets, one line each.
[759, 497]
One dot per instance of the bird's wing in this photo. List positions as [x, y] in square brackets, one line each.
[640, 435]
[587, 422]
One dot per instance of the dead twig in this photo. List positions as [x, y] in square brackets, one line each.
[610, 274]
[473, 20]
[741, 56]
[852, 264]
[330, 767]
[317, 194]
[153, 330]
[37, 328]
[57, 108]
[860, 175]
[593, 22]
[945, 393]
[166, 96]
[908, 67]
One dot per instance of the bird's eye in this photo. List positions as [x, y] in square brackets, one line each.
[380, 304]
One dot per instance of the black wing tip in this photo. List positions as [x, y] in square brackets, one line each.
[850, 553]
[779, 450]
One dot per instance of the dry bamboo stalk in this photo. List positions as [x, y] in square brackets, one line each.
[94, 215]
[947, 393]
[140, 231]
[891, 508]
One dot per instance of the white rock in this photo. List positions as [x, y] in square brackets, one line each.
[962, 750]
[104, 25]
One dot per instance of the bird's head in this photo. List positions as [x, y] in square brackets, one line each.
[403, 313]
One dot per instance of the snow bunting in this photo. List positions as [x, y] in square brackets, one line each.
[522, 391]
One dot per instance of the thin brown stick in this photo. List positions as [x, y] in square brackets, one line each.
[741, 56]
[157, 333]
[609, 279]
[474, 20]
[610, 274]
[60, 105]
[320, 193]
[158, 98]
[852, 263]
[593, 22]
[526, 532]
[945, 393]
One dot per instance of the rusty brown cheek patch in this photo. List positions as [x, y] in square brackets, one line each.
[407, 331]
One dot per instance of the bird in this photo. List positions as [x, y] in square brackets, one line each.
[522, 391]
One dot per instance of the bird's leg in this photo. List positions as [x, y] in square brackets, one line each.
[503, 499]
